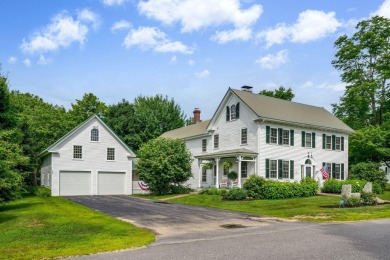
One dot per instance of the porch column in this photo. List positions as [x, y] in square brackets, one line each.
[200, 173]
[239, 170]
[217, 172]
[255, 159]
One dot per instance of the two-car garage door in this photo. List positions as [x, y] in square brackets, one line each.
[73, 183]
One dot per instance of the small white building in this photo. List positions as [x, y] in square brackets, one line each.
[386, 170]
[265, 136]
[89, 160]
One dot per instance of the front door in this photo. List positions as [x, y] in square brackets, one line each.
[308, 170]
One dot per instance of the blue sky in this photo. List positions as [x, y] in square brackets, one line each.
[189, 50]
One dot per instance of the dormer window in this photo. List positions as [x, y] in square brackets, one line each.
[233, 112]
[95, 135]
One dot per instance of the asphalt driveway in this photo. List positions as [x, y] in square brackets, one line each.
[170, 219]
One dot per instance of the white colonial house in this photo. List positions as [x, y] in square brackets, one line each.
[89, 160]
[265, 136]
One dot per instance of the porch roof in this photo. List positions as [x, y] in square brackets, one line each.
[227, 153]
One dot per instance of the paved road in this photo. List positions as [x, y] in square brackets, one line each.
[261, 238]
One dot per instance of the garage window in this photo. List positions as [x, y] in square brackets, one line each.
[110, 154]
[77, 152]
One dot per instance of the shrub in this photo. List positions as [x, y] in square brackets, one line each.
[377, 188]
[235, 194]
[332, 186]
[369, 171]
[210, 191]
[253, 186]
[180, 189]
[356, 185]
[232, 175]
[351, 202]
[368, 198]
[309, 187]
[43, 192]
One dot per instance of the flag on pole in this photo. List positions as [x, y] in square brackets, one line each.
[324, 171]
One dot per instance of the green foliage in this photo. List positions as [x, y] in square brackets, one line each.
[43, 192]
[334, 186]
[227, 165]
[88, 106]
[164, 163]
[351, 201]
[364, 61]
[6, 112]
[280, 93]
[377, 188]
[282, 190]
[235, 194]
[232, 175]
[368, 198]
[369, 171]
[253, 186]
[213, 191]
[180, 189]
[207, 166]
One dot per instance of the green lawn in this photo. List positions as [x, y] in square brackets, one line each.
[154, 197]
[36, 228]
[316, 208]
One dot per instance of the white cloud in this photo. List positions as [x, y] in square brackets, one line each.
[43, 60]
[334, 87]
[12, 60]
[202, 74]
[311, 25]
[114, 2]
[191, 62]
[272, 61]
[152, 38]
[197, 14]
[173, 60]
[60, 33]
[27, 62]
[307, 84]
[242, 34]
[120, 25]
[88, 16]
[384, 9]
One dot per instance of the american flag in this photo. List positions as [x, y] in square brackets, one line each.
[324, 171]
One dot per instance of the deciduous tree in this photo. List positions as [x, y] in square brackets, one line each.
[281, 93]
[88, 106]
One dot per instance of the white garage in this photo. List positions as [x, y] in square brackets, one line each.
[73, 183]
[111, 183]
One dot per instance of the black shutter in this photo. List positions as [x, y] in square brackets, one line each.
[280, 169]
[292, 170]
[342, 171]
[342, 143]
[268, 130]
[280, 136]
[313, 140]
[303, 138]
[333, 170]
[292, 137]
[238, 110]
[267, 168]
[333, 142]
[227, 113]
[323, 140]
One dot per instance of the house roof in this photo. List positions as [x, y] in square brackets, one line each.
[283, 111]
[52, 148]
[188, 131]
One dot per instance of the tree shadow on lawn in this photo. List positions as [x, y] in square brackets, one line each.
[357, 206]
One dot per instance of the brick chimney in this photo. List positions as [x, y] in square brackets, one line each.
[196, 115]
[247, 88]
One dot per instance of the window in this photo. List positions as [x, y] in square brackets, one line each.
[308, 140]
[216, 141]
[204, 175]
[273, 169]
[328, 144]
[285, 169]
[286, 137]
[95, 135]
[233, 112]
[338, 143]
[244, 169]
[204, 145]
[225, 172]
[110, 154]
[337, 171]
[274, 136]
[77, 152]
[244, 136]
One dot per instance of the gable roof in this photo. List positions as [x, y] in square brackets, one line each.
[283, 111]
[52, 147]
[185, 132]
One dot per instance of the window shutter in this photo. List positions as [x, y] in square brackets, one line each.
[323, 164]
[292, 137]
[313, 140]
[303, 138]
[333, 170]
[227, 113]
[280, 136]
[342, 171]
[292, 170]
[280, 169]
[342, 143]
[267, 168]
[333, 142]
[323, 140]
[268, 132]
[238, 110]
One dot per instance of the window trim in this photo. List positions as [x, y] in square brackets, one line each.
[308, 144]
[204, 175]
[283, 169]
[244, 137]
[271, 136]
[286, 138]
[78, 150]
[339, 144]
[244, 170]
[233, 112]
[271, 170]
[330, 142]
[95, 134]
[204, 145]
[216, 141]
[109, 156]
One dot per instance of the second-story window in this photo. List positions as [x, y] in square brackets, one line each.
[244, 136]
[95, 135]
[274, 135]
[77, 152]
[286, 137]
[110, 154]
[338, 143]
[328, 144]
[308, 140]
[216, 141]
[204, 145]
[233, 112]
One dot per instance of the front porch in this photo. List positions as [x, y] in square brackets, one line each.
[243, 161]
